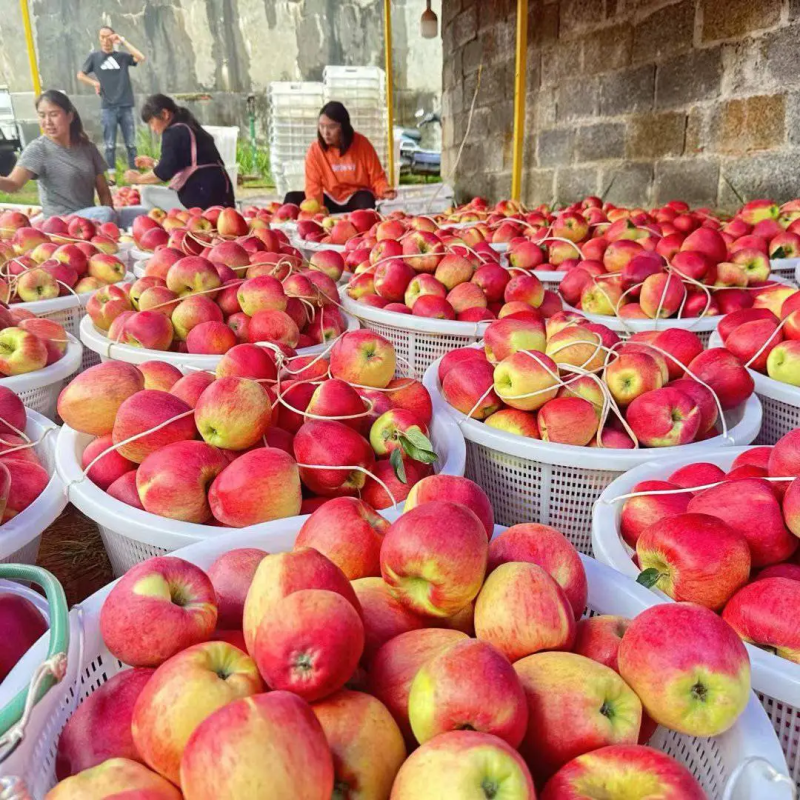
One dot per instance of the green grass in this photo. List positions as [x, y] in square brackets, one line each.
[27, 196]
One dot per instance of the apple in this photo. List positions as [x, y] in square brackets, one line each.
[522, 610]
[183, 692]
[700, 683]
[511, 420]
[12, 412]
[567, 420]
[526, 380]
[107, 469]
[177, 600]
[631, 375]
[191, 386]
[424, 251]
[411, 395]
[36, 284]
[364, 358]
[114, 778]
[233, 413]
[639, 513]
[783, 361]
[469, 387]
[21, 624]
[231, 575]
[507, 336]
[661, 295]
[581, 346]
[664, 417]
[575, 706]
[599, 638]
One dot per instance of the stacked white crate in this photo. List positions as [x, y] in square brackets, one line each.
[363, 92]
[294, 109]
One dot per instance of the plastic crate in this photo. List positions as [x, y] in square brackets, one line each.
[556, 484]
[225, 139]
[713, 761]
[776, 680]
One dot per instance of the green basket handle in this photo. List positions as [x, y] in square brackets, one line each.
[58, 644]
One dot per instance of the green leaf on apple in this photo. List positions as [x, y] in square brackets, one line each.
[396, 460]
[415, 444]
[779, 253]
[649, 577]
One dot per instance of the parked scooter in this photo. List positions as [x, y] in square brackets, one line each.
[414, 158]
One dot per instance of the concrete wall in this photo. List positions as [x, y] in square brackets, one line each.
[656, 99]
[226, 49]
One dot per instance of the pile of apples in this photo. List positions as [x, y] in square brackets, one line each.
[21, 624]
[408, 660]
[23, 477]
[245, 448]
[732, 547]
[766, 337]
[515, 383]
[65, 255]
[29, 343]
[127, 196]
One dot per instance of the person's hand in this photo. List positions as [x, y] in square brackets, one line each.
[145, 162]
[132, 176]
[116, 39]
[98, 88]
[390, 194]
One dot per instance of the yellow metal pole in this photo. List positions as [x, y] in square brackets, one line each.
[519, 97]
[26, 24]
[387, 23]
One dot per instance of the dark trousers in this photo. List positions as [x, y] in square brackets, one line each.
[121, 116]
[363, 198]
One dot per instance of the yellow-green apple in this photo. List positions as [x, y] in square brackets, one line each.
[599, 638]
[575, 705]
[623, 771]
[310, 644]
[729, 274]
[526, 380]
[266, 745]
[505, 337]
[90, 402]
[280, 574]
[173, 481]
[464, 764]
[364, 358]
[567, 420]
[106, 267]
[389, 432]
[88, 285]
[694, 557]
[664, 418]
[549, 549]
[579, 346]
[158, 608]
[512, 420]
[639, 513]
[434, 558]
[601, 297]
[147, 329]
[619, 253]
[191, 386]
[455, 489]
[159, 375]
[233, 413]
[384, 616]
[468, 387]
[762, 614]
[192, 274]
[357, 725]
[21, 624]
[424, 251]
[753, 263]
[115, 778]
[525, 289]
[36, 284]
[21, 352]
[696, 678]
[184, 691]
[140, 286]
[329, 262]
[231, 575]
[413, 396]
[144, 411]
[662, 295]
[471, 686]
[783, 362]
[322, 448]
[757, 210]
[349, 533]
[362, 285]
[337, 399]
[100, 728]
[245, 492]
[750, 507]
[684, 346]
[107, 469]
[632, 374]
[423, 285]
[522, 610]
[773, 298]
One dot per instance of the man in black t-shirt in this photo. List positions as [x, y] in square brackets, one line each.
[112, 82]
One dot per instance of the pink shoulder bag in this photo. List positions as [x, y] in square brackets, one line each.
[179, 179]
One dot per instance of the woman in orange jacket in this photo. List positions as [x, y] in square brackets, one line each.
[343, 172]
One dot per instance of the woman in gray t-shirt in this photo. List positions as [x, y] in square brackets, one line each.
[68, 167]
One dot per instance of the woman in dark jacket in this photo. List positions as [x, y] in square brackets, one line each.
[189, 159]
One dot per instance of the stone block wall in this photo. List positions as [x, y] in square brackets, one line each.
[640, 100]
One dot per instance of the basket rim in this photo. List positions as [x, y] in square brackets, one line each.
[622, 325]
[565, 455]
[64, 303]
[63, 368]
[778, 677]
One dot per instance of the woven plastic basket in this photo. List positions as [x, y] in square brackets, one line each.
[776, 680]
[132, 535]
[20, 536]
[780, 403]
[39, 390]
[713, 761]
[550, 278]
[785, 268]
[107, 349]
[557, 484]
[419, 340]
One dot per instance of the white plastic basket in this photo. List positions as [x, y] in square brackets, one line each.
[131, 535]
[550, 278]
[225, 138]
[775, 679]
[107, 349]
[712, 761]
[780, 403]
[785, 268]
[419, 340]
[39, 390]
[20, 536]
[557, 484]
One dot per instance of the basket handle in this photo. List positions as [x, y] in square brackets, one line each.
[49, 673]
[766, 769]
